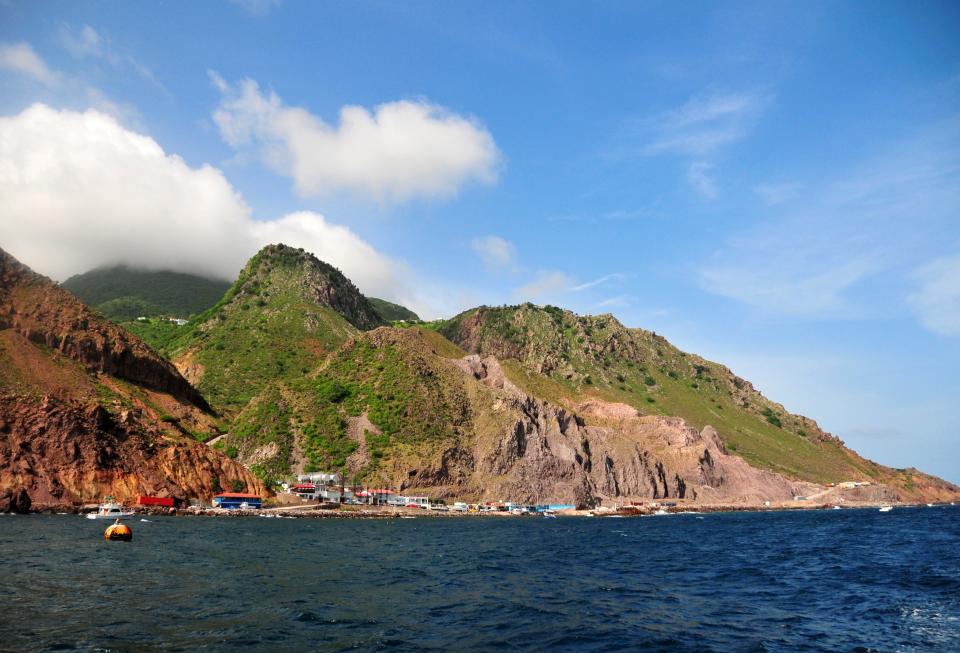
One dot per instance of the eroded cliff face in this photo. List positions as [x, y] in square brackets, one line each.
[49, 316]
[88, 410]
[601, 452]
[67, 453]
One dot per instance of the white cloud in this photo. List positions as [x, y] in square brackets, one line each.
[700, 177]
[496, 253]
[398, 151]
[21, 58]
[937, 300]
[78, 190]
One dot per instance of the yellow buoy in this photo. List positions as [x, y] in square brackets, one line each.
[119, 532]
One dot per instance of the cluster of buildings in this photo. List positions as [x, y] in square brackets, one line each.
[328, 487]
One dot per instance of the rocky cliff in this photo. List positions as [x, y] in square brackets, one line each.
[60, 454]
[601, 452]
[49, 316]
[88, 410]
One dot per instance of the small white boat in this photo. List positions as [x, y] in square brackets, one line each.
[929, 505]
[886, 508]
[661, 511]
[837, 508]
[549, 514]
[110, 510]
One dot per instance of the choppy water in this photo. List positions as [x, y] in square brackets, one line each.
[815, 581]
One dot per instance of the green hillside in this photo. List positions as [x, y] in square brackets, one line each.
[278, 321]
[393, 312]
[123, 293]
[391, 380]
[293, 359]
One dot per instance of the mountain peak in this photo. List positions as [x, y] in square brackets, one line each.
[279, 267]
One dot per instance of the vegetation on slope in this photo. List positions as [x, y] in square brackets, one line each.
[394, 378]
[123, 293]
[567, 358]
[282, 316]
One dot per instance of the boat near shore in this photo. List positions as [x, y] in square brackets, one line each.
[110, 510]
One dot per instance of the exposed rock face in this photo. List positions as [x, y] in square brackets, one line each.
[88, 410]
[47, 315]
[600, 452]
[54, 454]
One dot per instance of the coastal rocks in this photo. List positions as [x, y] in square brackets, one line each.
[55, 453]
[15, 500]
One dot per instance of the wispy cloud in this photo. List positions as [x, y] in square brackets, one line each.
[21, 58]
[613, 302]
[545, 283]
[704, 123]
[616, 276]
[87, 43]
[788, 286]
[497, 254]
[700, 176]
[888, 216]
[937, 298]
[774, 194]
[257, 8]
[614, 215]
[554, 283]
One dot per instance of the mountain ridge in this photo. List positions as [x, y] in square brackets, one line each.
[530, 403]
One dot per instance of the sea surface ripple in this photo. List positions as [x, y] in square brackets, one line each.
[841, 580]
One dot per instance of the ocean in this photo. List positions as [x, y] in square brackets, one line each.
[836, 580]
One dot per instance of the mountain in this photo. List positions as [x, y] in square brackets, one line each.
[283, 315]
[523, 402]
[87, 409]
[123, 293]
[529, 402]
[393, 312]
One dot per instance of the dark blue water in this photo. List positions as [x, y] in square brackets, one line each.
[851, 580]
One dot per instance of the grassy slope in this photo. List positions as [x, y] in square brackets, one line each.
[566, 358]
[396, 377]
[266, 328]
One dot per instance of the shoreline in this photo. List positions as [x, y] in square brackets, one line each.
[309, 511]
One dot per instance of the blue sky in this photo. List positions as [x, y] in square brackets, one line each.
[775, 186]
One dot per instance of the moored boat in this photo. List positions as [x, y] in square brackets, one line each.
[886, 508]
[109, 509]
